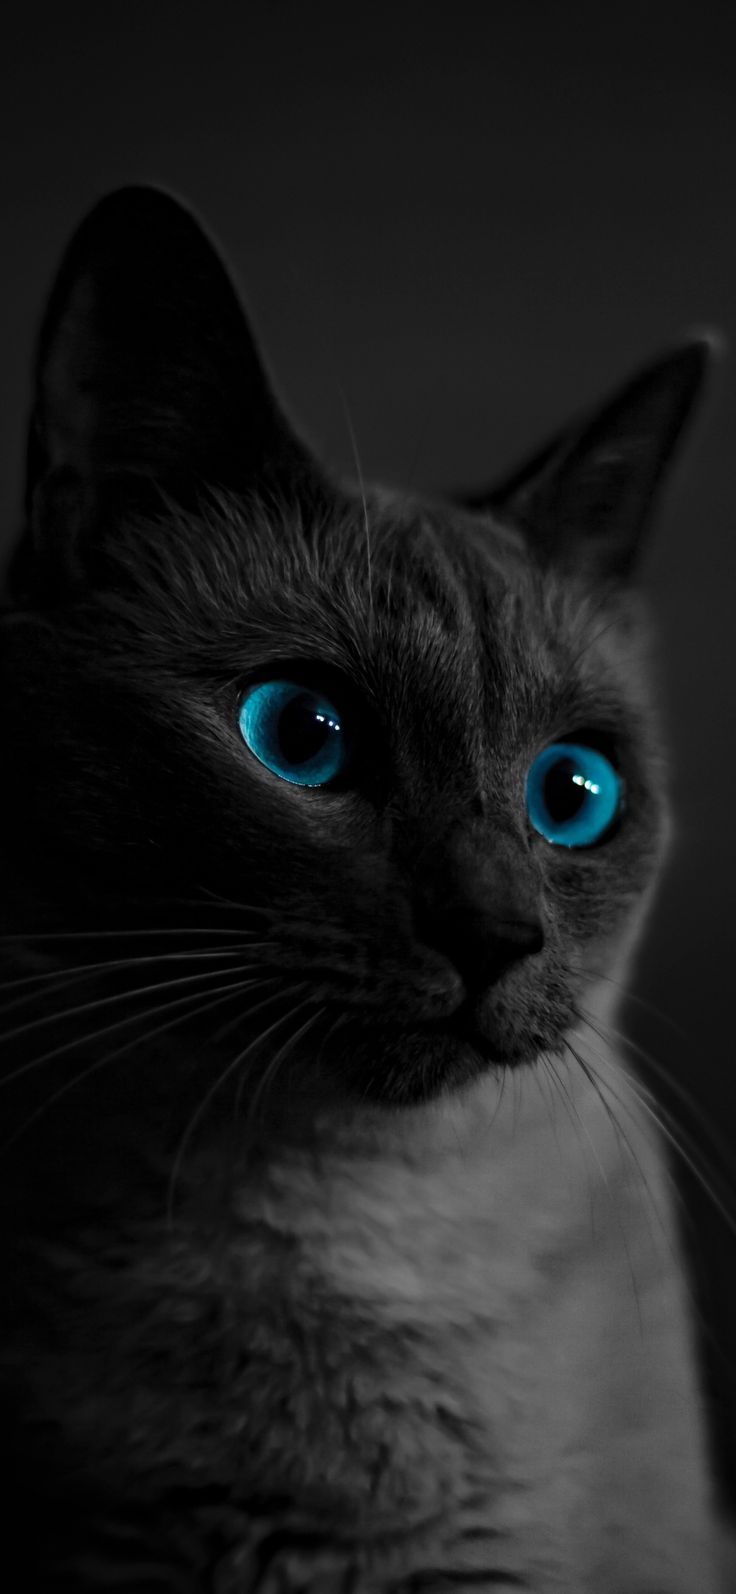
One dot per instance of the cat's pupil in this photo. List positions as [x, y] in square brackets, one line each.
[296, 732]
[564, 795]
[303, 729]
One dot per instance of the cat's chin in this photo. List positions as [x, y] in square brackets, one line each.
[384, 1063]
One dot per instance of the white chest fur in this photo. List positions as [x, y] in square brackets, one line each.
[494, 1343]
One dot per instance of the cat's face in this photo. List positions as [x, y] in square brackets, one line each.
[398, 755]
[389, 892]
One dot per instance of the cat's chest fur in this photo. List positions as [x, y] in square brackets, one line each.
[458, 1352]
[323, 795]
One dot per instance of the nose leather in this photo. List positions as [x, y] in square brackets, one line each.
[477, 900]
[480, 946]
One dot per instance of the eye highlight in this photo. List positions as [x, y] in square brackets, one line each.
[573, 794]
[296, 732]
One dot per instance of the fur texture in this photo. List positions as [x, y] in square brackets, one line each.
[338, 1237]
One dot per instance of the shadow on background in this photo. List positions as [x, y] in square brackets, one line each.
[470, 223]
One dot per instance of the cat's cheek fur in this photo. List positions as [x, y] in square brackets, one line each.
[364, 1278]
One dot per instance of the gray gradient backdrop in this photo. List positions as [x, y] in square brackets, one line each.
[469, 219]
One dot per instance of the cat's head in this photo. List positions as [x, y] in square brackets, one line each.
[391, 759]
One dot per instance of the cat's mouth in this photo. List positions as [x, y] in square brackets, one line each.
[465, 1037]
[462, 1025]
[500, 1022]
[418, 1059]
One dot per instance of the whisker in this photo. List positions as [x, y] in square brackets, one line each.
[647, 1106]
[577, 1124]
[266, 1080]
[107, 1001]
[340, 1018]
[675, 1143]
[614, 1203]
[226, 902]
[119, 1023]
[499, 1100]
[361, 483]
[21, 937]
[670, 1080]
[390, 572]
[646, 1006]
[109, 1057]
[70, 976]
[548, 1098]
[653, 1206]
[229, 1024]
[680, 1142]
[600, 1086]
[275, 1061]
[207, 1098]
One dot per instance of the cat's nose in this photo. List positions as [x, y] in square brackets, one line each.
[481, 946]
[477, 899]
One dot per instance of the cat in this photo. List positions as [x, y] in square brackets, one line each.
[339, 1245]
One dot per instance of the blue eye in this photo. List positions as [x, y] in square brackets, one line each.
[295, 732]
[573, 794]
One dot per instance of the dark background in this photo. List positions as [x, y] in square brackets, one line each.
[469, 220]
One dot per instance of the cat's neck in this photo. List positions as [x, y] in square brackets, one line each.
[533, 1164]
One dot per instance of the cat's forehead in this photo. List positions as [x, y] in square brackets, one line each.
[389, 558]
[447, 559]
[378, 585]
[423, 607]
[435, 580]
[423, 597]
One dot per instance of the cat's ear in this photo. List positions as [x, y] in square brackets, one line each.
[148, 381]
[585, 499]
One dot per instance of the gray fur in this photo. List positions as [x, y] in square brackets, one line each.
[374, 1308]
